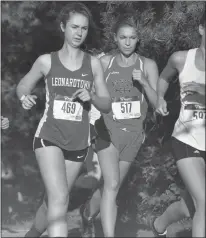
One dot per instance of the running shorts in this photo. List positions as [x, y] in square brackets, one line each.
[127, 143]
[76, 156]
[181, 150]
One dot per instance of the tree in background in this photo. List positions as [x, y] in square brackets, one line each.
[30, 29]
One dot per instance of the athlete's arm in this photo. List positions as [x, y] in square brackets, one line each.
[172, 68]
[152, 74]
[101, 98]
[167, 74]
[39, 69]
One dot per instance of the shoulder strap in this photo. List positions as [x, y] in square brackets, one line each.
[111, 62]
[141, 61]
[54, 61]
[190, 59]
[55, 58]
[141, 64]
[109, 67]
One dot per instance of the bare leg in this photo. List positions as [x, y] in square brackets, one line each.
[93, 205]
[109, 162]
[40, 222]
[53, 169]
[175, 212]
[192, 171]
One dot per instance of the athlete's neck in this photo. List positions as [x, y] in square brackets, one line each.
[127, 61]
[70, 52]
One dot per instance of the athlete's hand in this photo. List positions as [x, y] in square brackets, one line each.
[4, 123]
[138, 75]
[194, 87]
[29, 101]
[161, 106]
[82, 94]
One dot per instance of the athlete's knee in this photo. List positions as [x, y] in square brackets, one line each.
[59, 198]
[199, 201]
[112, 184]
[200, 204]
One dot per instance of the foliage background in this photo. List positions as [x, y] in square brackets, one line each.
[29, 29]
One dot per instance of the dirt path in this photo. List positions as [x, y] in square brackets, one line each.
[20, 229]
[129, 229]
[124, 229]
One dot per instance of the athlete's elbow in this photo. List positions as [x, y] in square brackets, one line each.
[108, 108]
[107, 105]
[18, 89]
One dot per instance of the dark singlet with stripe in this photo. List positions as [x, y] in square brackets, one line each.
[66, 121]
[129, 107]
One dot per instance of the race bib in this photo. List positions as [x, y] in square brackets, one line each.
[65, 109]
[126, 109]
[194, 112]
[199, 114]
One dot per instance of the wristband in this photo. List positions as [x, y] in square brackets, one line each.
[22, 98]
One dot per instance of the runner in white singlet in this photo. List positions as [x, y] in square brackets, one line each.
[188, 138]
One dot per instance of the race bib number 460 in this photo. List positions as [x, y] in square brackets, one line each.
[126, 109]
[67, 110]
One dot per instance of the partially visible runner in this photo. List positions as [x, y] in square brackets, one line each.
[40, 223]
[188, 138]
[129, 77]
[4, 123]
[5, 172]
[62, 138]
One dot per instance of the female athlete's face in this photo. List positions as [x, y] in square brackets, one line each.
[126, 39]
[76, 29]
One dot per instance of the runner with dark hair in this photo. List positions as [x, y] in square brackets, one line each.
[62, 138]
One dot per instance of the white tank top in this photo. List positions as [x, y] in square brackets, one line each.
[190, 126]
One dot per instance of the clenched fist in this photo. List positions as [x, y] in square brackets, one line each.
[82, 94]
[29, 101]
[161, 106]
[138, 75]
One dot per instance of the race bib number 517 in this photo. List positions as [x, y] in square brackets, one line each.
[126, 109]
[66, 109]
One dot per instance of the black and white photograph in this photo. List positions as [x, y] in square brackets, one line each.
[103, 119]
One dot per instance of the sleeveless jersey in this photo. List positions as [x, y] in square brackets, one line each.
[190, 126]
[66, 120]
[129, 106]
